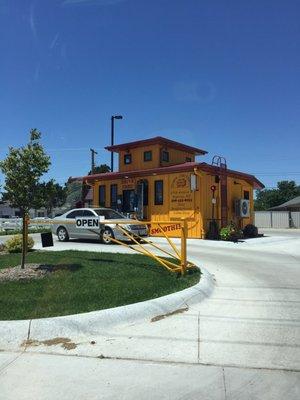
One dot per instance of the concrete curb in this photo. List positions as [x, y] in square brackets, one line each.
[13, 333]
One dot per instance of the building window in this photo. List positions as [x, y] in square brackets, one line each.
[145, 193]
[127, 159]
[188, 159]
[102, 195]
[246, 195]
[165, 156]
[148, 155]
[113, 195]
[158, 192]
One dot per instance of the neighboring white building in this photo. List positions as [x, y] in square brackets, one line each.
[6, 211]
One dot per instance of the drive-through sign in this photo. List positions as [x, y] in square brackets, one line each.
[88, 222]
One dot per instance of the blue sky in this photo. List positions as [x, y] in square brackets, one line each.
[221, 75]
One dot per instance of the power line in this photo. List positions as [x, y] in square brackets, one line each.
[276, 174]
[67, 149]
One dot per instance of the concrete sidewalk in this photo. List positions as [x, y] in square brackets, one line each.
[48, 377]
[243, 342]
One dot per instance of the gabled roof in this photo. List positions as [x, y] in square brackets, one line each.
[187, 166]
[293, 203]
[156, 140]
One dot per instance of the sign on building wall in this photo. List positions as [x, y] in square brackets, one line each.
[128, 183]
[182, 203]
[181, 196]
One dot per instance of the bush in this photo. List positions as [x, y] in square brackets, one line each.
[14, 244]
[231, 233]
[250, 231]
[19, 231]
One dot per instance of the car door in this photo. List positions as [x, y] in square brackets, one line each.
[71, 228]
[89, 234]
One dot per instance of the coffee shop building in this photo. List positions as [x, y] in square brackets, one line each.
[160, 180]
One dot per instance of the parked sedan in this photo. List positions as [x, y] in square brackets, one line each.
[65, 231]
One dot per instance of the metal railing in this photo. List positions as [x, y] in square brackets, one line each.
[179, 261]
[178, 257]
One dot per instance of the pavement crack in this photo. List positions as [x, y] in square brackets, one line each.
[29, 328]
[8, 364]
[224, 384]
[160, 361]
[198, 337]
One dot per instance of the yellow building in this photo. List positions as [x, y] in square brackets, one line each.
[159, 180]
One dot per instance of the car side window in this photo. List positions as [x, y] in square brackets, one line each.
[75, 213]
[88, 213]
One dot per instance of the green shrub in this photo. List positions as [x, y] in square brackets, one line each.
[14, 244]
[250, 231]
[19, 231]
[231, 233]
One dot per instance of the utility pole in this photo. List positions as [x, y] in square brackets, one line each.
[112, 139]
[93, 152]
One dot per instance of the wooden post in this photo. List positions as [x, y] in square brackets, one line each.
[184, 231]
[24, 238]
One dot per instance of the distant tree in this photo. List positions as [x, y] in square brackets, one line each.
[4, 196]
[288, 190]
[23, 168]
[100, 169]
[268, 198]
[54, 195]
[73, 193]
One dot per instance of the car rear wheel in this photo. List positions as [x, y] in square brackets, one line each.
[62, 234]
[107, 235]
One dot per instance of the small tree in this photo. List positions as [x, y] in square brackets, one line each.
[23, 168]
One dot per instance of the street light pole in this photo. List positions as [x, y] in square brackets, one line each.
[112, 143]
[113, 117]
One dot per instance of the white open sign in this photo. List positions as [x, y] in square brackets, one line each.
[88, 222]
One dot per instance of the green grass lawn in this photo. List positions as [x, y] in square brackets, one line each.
[88, 281]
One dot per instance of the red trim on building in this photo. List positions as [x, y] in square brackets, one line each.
[156, 140]
[188, 166]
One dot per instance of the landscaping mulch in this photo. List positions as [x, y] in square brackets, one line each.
[31, 271]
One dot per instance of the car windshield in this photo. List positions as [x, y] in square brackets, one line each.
[109, 214]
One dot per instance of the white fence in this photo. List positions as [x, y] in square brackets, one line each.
[295, 219]
[277, 219]
[7, 224]
[10, 223]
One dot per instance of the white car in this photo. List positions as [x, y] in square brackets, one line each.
[65, 231]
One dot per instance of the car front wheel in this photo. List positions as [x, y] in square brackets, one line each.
[62, 234]
[107, 235]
